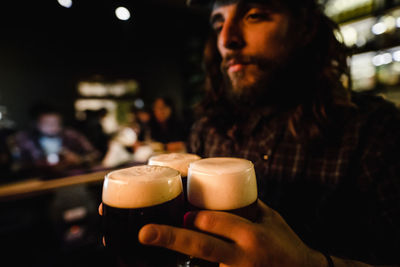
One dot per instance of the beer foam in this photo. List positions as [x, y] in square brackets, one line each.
[177, 161]
[141, 186]
[222, 183]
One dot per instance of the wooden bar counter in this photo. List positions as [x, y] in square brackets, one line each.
[36, 186]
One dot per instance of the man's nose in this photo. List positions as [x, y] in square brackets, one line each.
[231, 35]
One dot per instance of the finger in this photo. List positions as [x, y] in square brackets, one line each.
[104, 241]
[223, 224]
[101, 209]
[267, 214]
[189, 242]
[264, 210]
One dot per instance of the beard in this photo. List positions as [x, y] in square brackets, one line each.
[261, 82]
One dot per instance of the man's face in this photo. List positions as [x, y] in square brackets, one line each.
[49, 124]
[162, 112]
[252, 40]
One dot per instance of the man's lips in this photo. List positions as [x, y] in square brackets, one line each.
[234, 65]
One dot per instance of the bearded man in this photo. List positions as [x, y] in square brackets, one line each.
[278, 94]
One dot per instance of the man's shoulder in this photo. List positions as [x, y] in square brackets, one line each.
[24, 135]
[375, 111]
[201, 123]
[72, 133]
[379, 120]
[370, 105]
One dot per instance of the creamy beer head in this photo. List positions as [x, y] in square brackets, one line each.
[222, 183]
[141, 186]
[177, 161]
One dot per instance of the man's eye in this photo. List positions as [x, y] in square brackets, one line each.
[259, 16]
[217, 27]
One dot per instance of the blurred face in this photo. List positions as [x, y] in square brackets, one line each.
[161, 111]
[49, 124]
[252, 40]
[143, 116]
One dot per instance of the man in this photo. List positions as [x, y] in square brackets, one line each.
[325, 160]
[50, 149]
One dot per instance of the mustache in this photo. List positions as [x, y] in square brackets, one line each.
[232, 59]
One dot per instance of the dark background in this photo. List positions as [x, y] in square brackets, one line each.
[46, 49]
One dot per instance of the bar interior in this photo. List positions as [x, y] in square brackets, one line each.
[95, 73]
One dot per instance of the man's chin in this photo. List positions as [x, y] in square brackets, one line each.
[245, 88]
[242, 96]
[241, 87]
[246, 91]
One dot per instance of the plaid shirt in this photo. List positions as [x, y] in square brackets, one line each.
[340, 196]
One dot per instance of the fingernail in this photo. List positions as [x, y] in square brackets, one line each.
[148, 235]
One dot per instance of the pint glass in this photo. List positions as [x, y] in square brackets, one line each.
[136, 196]
[177, 161]
[222, 184]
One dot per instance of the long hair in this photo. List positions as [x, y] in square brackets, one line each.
[316, 80]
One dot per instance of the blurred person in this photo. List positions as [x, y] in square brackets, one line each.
[49, 148]
[325, 157]
[165, 127]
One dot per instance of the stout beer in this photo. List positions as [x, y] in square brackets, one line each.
[223, 184]
[136, 196]
[177, 161]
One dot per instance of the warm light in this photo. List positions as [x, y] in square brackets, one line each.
[338, 36]
[92, 89]
[379, 28]
[396, 67]
[95, 104]
[105, 89]
[122, 13]
[117, 89]
[361, 41]
[349, 35]
[65, 3]
[390, 22]
[362, 67]
[335, 7]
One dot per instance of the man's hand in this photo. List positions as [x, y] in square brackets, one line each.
[70, 157]
[234, 241]
[175, 146]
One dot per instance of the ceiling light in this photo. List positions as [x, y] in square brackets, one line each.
[122, 13]
[65, 3]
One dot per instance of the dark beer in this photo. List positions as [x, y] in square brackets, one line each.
[250, 212]
[222, 184]
[177, 161]
[137, 196]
